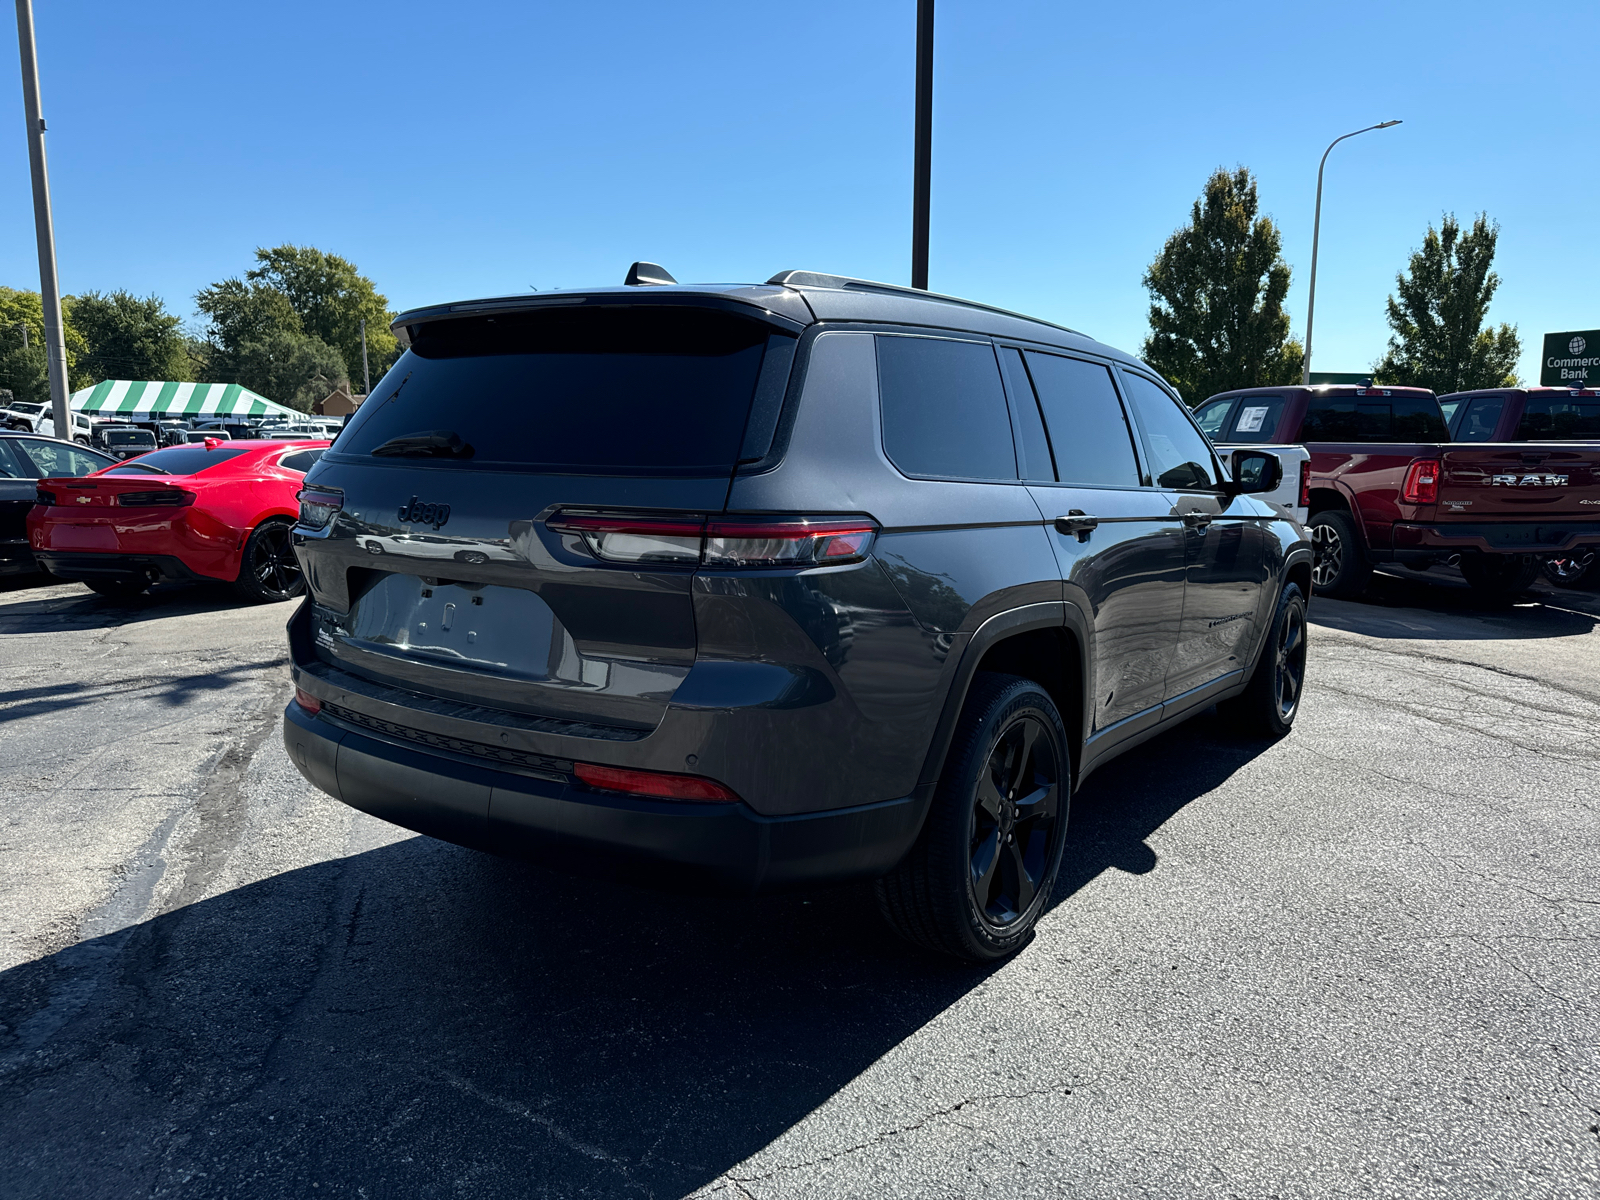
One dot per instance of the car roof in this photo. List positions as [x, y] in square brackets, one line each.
[798, 299]
[1323, 389]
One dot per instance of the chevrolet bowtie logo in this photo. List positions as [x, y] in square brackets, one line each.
[84, 499]
[1528, 481]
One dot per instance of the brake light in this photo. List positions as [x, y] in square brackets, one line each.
[656, 784]
[1305, 483]
[722, 541]
[46, 498]
[1422, 483]
[317, 505]
[307, 701]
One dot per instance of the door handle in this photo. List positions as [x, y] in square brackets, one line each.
[1198, 520]
[1077, 522]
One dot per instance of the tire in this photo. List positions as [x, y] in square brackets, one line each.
[1500, 576]
[1271, 700]
[269, 572]
[1571, 570]
[118, 587]
[1341, 569]
[983, 867]
[82, 441]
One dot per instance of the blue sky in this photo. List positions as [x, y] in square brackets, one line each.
[483, 148]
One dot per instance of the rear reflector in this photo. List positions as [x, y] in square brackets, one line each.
[657, 784]
[1422, 483]
[721, 541]
[307, 701]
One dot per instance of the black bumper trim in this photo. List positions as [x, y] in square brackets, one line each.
[729, 846]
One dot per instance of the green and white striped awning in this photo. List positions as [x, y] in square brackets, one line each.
[126, 397]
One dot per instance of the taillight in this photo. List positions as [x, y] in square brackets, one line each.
[46, 498]
[307, 701]
[1422, 483]
[1305, 483]
[722, 541]
[657, 784]
[317, 506]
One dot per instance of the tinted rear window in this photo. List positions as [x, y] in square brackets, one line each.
[944, 409]
[176, 460]
[1374, 419]
[129, 437]
[1558, 418]
[646, 390]
[1256, 420]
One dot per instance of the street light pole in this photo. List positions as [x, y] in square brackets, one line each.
[921, 184]
[55, 346]
[1316, 234]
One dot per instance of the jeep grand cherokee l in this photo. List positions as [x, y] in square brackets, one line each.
[776, 584]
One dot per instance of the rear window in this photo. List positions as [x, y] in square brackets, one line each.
[177, 460]
[1559, 418]
[1378, 419]
[129, 437]
[944, 408]
[1255, 421]
[641, 390]
[1480, 420]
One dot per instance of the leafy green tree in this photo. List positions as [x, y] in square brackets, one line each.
[240, 312]
[331, 298]
[289, 367]
[128, 338]
[1438, 339]
[23, 369]
[1217, 289]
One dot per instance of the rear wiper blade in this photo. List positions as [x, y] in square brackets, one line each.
[436, 443]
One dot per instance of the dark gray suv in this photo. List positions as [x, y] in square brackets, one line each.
[772, 585]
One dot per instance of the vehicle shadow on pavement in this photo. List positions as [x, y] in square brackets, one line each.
[1408, 607]
[422, 1020]
[73, 606]
[169, 691]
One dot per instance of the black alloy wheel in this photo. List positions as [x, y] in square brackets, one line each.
[986, 861]
[1271, 700]
[1289, 662]
[268, 569]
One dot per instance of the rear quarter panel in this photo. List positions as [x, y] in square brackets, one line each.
[1370, 478]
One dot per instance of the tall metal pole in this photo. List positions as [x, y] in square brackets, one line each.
[1316, 236]
[921, 169]
[55, 344]
[366, 375]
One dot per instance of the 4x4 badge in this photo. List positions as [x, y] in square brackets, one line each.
[413, 513]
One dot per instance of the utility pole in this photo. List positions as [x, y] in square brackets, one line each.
[366, 375]
[55, 345]
[921, 185]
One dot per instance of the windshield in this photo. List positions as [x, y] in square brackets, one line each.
[1559, 418]
[641, 390]
[177, 460]
[27, 406]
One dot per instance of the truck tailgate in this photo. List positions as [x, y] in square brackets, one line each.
[1519, 482]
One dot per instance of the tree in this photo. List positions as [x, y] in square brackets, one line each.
[1439, 340]
[128, 338]
[331, 298]
[24, 370]
[289, 367]
[1217, 290]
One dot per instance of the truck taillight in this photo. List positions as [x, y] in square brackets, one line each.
[721, 541]
[318, 505]
[1422, 483]
[1305, 484]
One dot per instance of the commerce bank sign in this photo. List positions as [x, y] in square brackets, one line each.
[1570, 359]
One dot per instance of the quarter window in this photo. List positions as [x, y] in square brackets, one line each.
[944, 408]
[1180, 456]
[1088, 429]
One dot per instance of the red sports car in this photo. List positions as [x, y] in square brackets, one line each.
[218, 510]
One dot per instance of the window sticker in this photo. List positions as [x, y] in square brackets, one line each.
[1250, 419]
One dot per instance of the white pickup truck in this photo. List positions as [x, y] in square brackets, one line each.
[1291, 495]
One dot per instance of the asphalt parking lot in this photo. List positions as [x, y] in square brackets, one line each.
[1362, 961]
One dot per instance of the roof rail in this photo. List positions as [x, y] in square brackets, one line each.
[816, 279]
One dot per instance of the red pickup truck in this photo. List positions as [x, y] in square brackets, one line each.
[1387, 484]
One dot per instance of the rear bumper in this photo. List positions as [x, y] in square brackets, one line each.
[543, 813]
[82, 565]
[1506, 537]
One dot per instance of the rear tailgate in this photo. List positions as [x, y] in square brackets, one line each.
[1528, 496]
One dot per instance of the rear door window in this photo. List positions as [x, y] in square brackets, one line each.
[1480, 420]
[1088, 429]
[1180, 456]
[944, 408]
[1559, 418]
[641, 390]
[1256, 419]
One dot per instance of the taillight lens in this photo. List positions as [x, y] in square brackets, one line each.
[656, 784]
[317, 506]
[46, 498]
[1422, 483]
[307, 701]
[722, 541]
[1305, 484]
[156, 498]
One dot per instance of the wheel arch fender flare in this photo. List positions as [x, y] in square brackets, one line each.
[1053, 614]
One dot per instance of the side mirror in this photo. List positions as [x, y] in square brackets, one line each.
[1254, 471]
